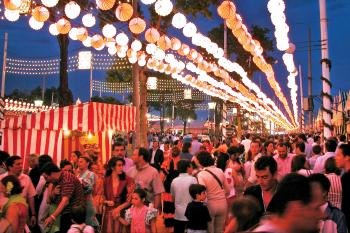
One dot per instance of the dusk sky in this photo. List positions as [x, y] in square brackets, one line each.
[301, 14]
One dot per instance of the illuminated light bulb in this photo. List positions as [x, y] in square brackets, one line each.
[141, 62]
[72, 10]
[35, 24]
[73, 34]
[11, 15]
[179, 20]
[136, 45]
[89, 20]
[151, 48]
[49, 3]
[112, 50]
[148, 2]
[189, 30]
[122, 39]
[163, 7]
[87, 42]
[109, 31]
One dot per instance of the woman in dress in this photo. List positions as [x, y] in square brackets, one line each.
[117, 193]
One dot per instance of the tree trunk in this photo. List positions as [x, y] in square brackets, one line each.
[136, 102]
[185, 124]
[143, 109]
[218, 117]
[65, 96]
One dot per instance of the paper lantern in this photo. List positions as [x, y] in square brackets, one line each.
[72, 10]
[49, 3]
[132, 60]
[163, 7]
[97, 41]
[148, 2]
[175, 44]
[152, 35]
[141, 62]
[101, 47]
[227, 10]
[179, 20]
[137, 25]
[110, 42]
[73, 34]
[105, 4]
[151, 48]
[112, 50]
[82, 33]
[40, 13]
[109, 31]
[159, 54]
[189, 30]
[124, 12]
[164, 43]
[122, 39]
[63, 26]
[53, 29]
[11, 15]
[12, 4]
[89, 20]
[87, 41]
[136, 45]
[36, 25]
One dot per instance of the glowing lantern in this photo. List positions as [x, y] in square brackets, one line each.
[122, 39]
[11, 15]
[53, 29]
[227, 9]
[36, 25]
[163, 7]
[63, 26]
[12, 4]
[141, 62]
[193, 54]
[152, 35]
[175, 44]
[159, 54]
[105, 4]
[109, 31]
[148, 2]
[132, 60]
[189, 30]
[136, 45]
[40, 13]
[137, 25]
[87, 41]
[185, 49]
[81, 33]
[179, 21]
[49, 3]
[73, 34]
[112, 50]
[124, 12]
[96, 41]
[101, 47]
[151, 83]
[164, 42]
[72, 10]
[151, 48]
[88, 20]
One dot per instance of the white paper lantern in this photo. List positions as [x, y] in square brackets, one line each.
[148, 2]
[35, 24]
[189, 30]
[163, 7]
[142, 62]
[72, 10]
[89, 20]
[53, 29]
[49, 3]
[179, 20]
[122, 39]
[101, 47]
[121, 54]
[159, 54]
[87, 41]
[152, 83]
[169, 58]
[73, 33]
[136, 45]
[151, 48]
[132, 60]
[11, 15]
[109, 31]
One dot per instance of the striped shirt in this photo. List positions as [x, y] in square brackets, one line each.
[71, 188]
[335, 191]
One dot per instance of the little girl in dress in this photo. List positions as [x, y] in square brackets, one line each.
[141, 218]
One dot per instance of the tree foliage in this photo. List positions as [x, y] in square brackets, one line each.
[36, 93]
[106, 99]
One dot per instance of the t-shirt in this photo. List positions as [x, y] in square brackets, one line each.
[198, 216]
[345, 205]
[78, 228]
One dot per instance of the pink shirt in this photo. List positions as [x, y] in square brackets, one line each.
[284, 166]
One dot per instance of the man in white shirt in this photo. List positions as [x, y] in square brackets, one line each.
[119, 150]
[255, 155]
[330, 146]
[246, 142]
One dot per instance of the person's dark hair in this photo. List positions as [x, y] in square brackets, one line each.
[49, 168]
[222, 161]
[331, 145]
[316, 138]
[282, 144]
[183, 165]
[293, 187]
[11, 160]
[87, 159]
[44, 159]
[175, 151]
[322, 180]
[141, 193]
[195, 189]
[17, 187]
[247, 136]
[145, 154]
[3, 156]
[64, 163]
[266, 144]
[77, 153]
[256, 141]
[246, 210]
[266, 161]
[205, 159]
[78, 214]
[345, 148]
[118, 144]
[316, 149]
[111, 164]
[232, 150]
[342, 138]
[302, 137]
[331, 167]
[301, 146]
[176, 142]
[186, 147]
[298, 162]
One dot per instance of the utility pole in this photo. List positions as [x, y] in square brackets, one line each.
[4, 67]
[326, 65]
[224, 106]
[309, 76]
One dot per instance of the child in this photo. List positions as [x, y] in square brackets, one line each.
[141, 218]
[196, 212]
[78, 217]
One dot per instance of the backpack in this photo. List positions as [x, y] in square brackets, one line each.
[80, 230]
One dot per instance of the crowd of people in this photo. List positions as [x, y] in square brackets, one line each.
[278, 184]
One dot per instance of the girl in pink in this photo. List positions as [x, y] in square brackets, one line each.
[141, 218]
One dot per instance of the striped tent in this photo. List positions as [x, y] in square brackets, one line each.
[43, 132]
